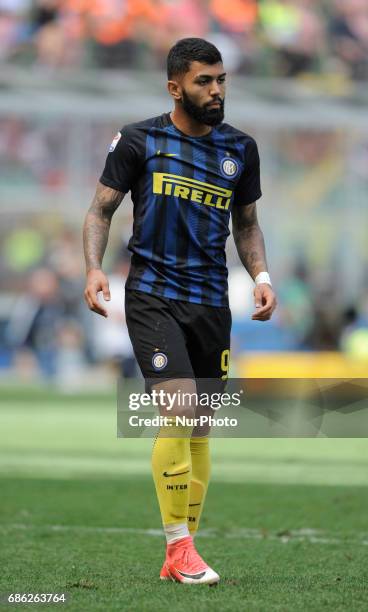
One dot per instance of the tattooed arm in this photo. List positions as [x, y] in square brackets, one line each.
[250, 245]
[95, 235]
[249, 239]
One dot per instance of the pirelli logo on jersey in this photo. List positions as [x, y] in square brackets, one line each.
[191, 189]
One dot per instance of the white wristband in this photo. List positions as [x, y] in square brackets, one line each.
[263, 277]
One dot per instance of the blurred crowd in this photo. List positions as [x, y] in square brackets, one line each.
[283, 38]
[46, 330]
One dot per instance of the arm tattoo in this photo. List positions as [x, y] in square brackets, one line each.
[97, 224]
[248, 239]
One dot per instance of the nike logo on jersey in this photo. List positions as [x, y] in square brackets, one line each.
[177, 474]
[160, 153]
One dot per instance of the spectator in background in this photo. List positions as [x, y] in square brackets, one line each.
[297, 305]
[234, 25]
[354, 336]
[33, 151]
[113, 27]
[293, 29]
[234, 16]
[65, 258]
[348, 31]
[48, 34]
[179, 18]
[36, 319]
[70, 358]
[23, 249]
[14, 28]
[325, 333]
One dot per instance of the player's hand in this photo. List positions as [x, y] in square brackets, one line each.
[96, 282]
[265, 301]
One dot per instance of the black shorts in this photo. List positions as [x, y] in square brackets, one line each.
[175, 339]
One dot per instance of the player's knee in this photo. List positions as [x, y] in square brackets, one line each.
[177, 397]
[187, 412]
[201, 431]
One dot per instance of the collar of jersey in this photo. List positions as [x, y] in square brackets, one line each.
[173, 128]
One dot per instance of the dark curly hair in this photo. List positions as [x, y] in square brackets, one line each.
[188, 50]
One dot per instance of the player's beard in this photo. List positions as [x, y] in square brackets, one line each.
[204, 114]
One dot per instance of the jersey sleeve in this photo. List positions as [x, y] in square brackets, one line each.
[248, 188]
[122, 162]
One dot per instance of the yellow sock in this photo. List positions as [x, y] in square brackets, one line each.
[199, 449]
[171, 468]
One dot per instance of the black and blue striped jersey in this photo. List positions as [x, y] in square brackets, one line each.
[183, 189]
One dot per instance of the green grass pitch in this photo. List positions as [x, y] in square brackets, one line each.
[285, 522]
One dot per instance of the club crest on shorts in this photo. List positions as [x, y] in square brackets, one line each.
[114, 142]
[229, 167]
[159, 361]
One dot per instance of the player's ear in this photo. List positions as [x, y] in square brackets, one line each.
[174, 90]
